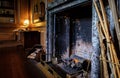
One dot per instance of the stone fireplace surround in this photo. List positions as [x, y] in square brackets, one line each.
[51, 14]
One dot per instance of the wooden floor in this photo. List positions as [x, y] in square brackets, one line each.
[13, 64]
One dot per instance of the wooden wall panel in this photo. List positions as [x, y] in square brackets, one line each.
[24, 11]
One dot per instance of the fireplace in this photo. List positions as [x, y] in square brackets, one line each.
[71, 31]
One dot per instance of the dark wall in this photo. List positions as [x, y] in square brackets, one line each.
[62, 35]
[73, 31]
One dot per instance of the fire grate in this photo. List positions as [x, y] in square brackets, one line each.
[74, 65]
[69, 70]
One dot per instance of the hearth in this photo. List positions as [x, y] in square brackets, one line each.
[75, 65]
[70, 37]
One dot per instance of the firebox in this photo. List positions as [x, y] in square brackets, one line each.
[73, 29]
[70, 30]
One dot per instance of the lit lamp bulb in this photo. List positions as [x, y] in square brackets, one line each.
[26, 22]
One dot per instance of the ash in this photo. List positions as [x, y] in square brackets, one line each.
[74, 66]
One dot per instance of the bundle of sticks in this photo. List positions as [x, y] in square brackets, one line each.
[108, 52]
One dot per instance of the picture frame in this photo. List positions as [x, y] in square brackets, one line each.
[38, 11]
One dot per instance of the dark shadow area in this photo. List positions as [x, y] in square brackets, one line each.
[71, 25]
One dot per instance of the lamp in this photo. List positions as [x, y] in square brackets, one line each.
[26, 23]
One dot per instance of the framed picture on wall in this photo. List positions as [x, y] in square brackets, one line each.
[38, 11]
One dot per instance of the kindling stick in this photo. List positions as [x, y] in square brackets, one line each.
[104, 21]
[99, 16]
[101, 38]
[107, 35]
[110, 42]
[108, 61]
[115, 18]
[101, 68]
[102, 25]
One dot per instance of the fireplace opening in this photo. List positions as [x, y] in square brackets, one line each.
[73, 32]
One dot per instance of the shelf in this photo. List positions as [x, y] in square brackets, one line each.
[6, 15]
[7, 11]
[7, 25]
[7, 20]
[12, 8]
[7, 4]
[7, 0]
